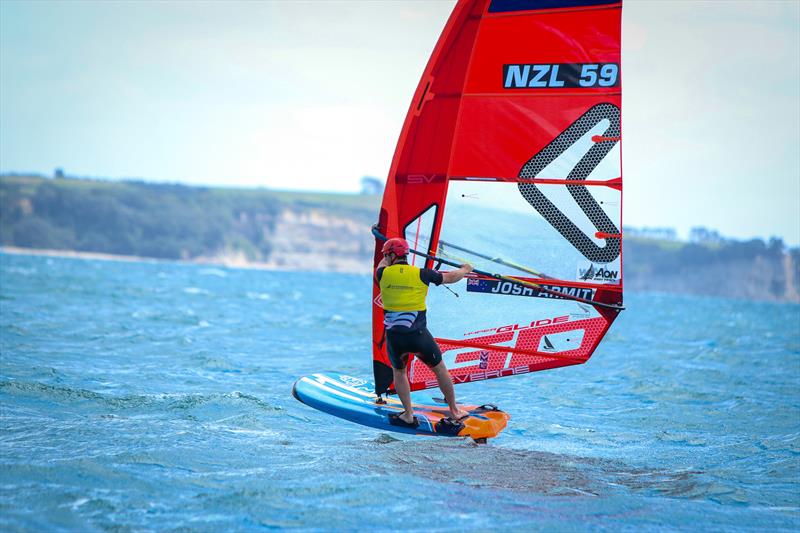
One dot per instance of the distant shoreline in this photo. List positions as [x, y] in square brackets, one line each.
[350, 267]
[16, 250]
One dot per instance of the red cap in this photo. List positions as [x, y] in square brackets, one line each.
[396, 246]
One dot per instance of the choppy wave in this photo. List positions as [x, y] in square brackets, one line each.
[213, 272]
[145, 396]
[154, 402]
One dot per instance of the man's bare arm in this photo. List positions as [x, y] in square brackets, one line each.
[456, 275]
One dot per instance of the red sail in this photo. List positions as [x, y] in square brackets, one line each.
[510, 159]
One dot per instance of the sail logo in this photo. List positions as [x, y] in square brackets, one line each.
[598, 274]
[353, 382]
[517, 327]
[421, 179]
[484, 360]
[534, 324]
[560, 75]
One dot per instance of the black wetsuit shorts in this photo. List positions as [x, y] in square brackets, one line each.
[420, 343]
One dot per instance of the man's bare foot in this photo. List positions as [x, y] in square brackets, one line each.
[407, 417]
[458, 413]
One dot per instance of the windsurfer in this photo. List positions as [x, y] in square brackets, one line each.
[403, 292]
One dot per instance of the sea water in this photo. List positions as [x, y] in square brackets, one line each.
[140, 396]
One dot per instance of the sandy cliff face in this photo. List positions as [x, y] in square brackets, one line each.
[315, 240]
[791, 268]
[310, 239]
[759, 278]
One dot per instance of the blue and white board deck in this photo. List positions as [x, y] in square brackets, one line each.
[354, 399]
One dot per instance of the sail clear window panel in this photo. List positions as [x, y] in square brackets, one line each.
[418, 233]
[609, 168]
[494, 219]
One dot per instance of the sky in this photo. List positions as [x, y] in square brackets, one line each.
[311, 95]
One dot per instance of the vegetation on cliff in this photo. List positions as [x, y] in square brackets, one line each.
[164, 221]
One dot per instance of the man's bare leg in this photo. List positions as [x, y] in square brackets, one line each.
[446, 385]
[404, 392]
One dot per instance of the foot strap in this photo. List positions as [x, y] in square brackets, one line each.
[449, 426]
[395, 420]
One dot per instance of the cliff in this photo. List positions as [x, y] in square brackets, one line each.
[236, 227]
[737, 269]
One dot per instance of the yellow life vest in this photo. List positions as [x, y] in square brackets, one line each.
[402, 289]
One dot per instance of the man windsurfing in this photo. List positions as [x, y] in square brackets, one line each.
[403, 291]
